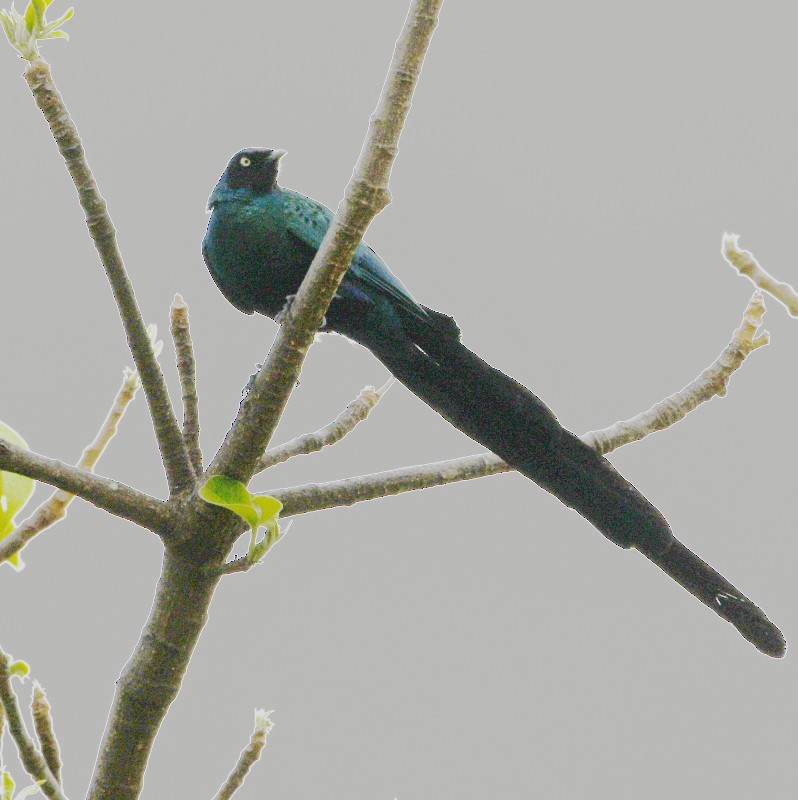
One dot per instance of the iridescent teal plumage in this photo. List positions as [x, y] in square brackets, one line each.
[260, 242]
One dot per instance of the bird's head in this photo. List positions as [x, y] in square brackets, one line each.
[254, 168]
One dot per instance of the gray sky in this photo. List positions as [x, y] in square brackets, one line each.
[562, 186]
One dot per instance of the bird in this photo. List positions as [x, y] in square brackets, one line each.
[259, 243]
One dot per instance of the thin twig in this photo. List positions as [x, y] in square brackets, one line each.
[711, 382]
[186, 368]
[366, 194]
[43, 724]
[331, 433]
[55, 507]
[170, 440]
[28, 755]
[249, 755]
[745, 263]
[348, 491]
[111, 496]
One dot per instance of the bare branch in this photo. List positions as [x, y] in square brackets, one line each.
[343, 424]
[249, 755]
[365, 196]
[43, 724]
[745, 263]
[28, 755]
[101, 229]
[348, 491]
[240, 564]
[186, 367]
[151, 679]
[54, 509]
[714, 380]
[111, 496]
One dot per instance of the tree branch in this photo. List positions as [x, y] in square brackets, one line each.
[348, 491]
[713, 381]
[28, 755]
[366, 194]
[330, 434]
[745, 263]
[249, 755]
[151, 679]
[111, 496]
[54, 509]
[43, 724]
[170, 440]
[186, 368]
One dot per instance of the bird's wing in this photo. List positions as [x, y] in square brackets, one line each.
[308, 220]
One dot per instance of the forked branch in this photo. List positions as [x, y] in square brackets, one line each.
[170, 439]
[28, 754]
[330, 434]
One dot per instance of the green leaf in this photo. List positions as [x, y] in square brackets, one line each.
[255, 510]
[232, 495]
[8, 25]
[30, 17]
[25, 30]
[221, 491]
[7, 786]
[15, 491]
[34, 15]
[20, 668]
[259, 550]
[269, 507]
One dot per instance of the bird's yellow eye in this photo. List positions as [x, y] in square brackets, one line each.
[245, 161]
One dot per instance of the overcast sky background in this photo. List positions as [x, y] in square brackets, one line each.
[563, 182]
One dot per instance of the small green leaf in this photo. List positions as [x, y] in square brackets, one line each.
[269, 507]
[30, 17]
[259, 550]
[34, 15]
[255, 510]
[221, 491]
[15, 491]
[232, 495]
[20, 668]
[7, 785]
[8, 24]
[25, 30]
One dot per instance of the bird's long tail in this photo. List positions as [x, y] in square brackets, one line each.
[508, 419]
